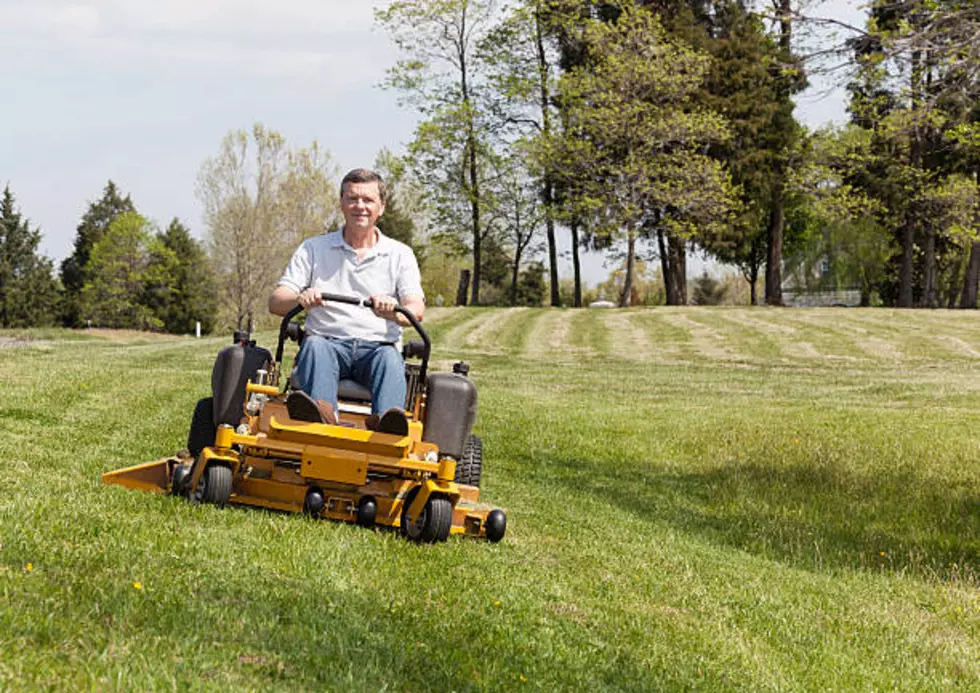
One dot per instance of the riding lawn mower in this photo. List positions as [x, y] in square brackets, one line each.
[244, 448]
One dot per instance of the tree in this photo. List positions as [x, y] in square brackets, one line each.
[405, 214]
[517, 213]
[522, 65]
[442, 77]
[117, 265]
[634, 146]
[782, 135]
[180, 286]
[28, 292]
[530, 288]
[742, 87]
[74, 269]
[261, 199]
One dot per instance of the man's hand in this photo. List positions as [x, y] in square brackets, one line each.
[384, 307]
[309, 298]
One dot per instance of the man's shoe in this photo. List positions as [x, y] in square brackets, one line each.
[302, 407]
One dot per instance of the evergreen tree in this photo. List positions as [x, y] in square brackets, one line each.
[28, 292]
[180, 286]
[74, 269]
[741, 87]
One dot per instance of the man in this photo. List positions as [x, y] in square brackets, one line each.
[347, 341]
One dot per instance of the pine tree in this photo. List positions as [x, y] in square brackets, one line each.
[180, 287]
[28, 292]
[74, 269]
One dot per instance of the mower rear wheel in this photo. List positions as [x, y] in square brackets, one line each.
[470, 465]
[203, 429]
[216, 485]
[433, 523]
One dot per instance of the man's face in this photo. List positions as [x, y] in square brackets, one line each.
[361, 205]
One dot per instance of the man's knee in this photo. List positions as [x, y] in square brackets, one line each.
[388, 360]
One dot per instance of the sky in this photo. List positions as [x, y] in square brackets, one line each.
[142, 92]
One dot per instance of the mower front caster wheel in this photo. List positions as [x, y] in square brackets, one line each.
[433, 523]
[215, 486]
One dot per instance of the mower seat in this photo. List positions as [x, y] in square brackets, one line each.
[349, 390]
[353, 391]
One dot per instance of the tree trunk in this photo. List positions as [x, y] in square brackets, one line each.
[905, 270]
[625, 298]
[552, 249]
[665, 264]
[905, 274]
[968, 299]
[475, 214]
[576, 264]
[548, 190]
[774, 258]
[930, 297]
[463, 288]
[753, 280]
[474, 182]
[513, 278]
[677, 250]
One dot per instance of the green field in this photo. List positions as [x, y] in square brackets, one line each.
[698, 500]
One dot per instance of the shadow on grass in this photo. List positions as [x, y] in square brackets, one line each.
[811, 515]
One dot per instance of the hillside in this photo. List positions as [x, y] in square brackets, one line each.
[710, 499]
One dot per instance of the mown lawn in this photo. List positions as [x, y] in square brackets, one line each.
[698, 500]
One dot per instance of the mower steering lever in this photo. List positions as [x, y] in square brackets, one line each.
[367, 303]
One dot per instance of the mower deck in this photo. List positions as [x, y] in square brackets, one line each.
[283, 493]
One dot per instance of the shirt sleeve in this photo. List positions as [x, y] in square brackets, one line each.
[409, 280]
[299, 272]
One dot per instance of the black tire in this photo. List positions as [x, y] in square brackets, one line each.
[469, 469]
[434, 522]
[216, 485]
[203, 430]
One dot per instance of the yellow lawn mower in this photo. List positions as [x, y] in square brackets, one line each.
[245, 447]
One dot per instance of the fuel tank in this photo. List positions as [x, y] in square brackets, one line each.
[450, 412]
[233, 368]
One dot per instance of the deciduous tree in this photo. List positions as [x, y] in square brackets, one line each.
[261, 199]
[442, 76]
[633, 129]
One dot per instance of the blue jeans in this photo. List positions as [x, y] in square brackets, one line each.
[324, 361]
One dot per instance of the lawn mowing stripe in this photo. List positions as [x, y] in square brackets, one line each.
[550, 337]
[590, 331]
[825, 331]
[583, 335]
[449, 333]
[488, 336]
[744, 337]
[706, 341]
[627, 341]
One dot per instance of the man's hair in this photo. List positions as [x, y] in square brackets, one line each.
[364, 175]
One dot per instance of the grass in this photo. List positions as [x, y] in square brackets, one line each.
[698, 500]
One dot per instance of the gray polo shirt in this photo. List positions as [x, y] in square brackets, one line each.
[328, 264]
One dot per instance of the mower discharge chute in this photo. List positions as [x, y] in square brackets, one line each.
[244, 448]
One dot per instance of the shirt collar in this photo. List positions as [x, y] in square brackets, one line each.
[382, 247]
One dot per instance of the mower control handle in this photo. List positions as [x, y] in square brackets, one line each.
[367, 303]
